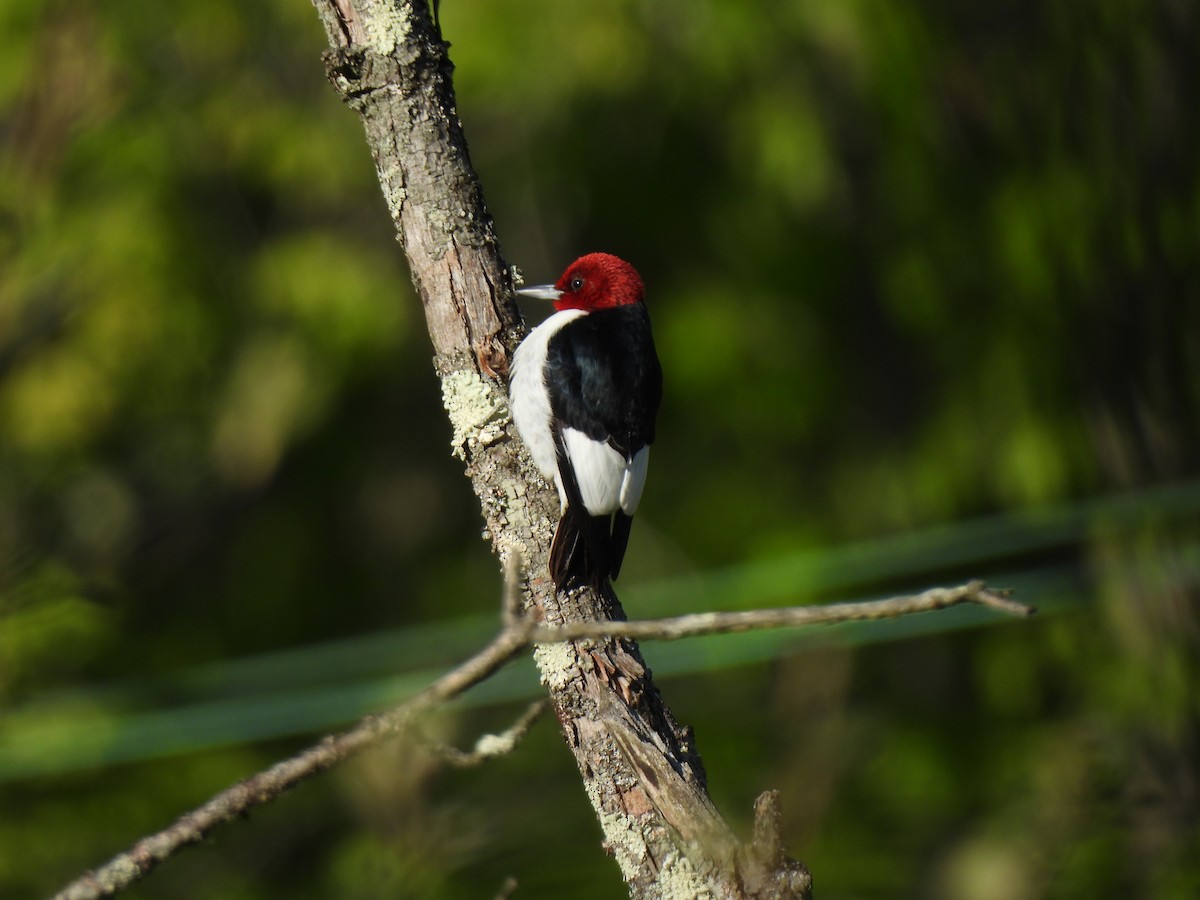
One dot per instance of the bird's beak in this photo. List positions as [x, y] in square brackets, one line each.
[541, 292]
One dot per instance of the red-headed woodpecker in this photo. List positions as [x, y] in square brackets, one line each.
[586, 386]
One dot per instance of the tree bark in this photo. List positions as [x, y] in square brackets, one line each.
[640, 768]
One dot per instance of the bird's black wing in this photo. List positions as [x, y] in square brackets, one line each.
[605, 379]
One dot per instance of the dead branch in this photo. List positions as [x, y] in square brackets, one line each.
[489, 746]
[515, 636]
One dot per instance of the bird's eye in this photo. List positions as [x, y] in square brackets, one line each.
[576, 283]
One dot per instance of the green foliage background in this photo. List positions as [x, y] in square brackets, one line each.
[924, 280]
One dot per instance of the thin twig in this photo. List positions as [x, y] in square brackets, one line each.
[144, 856]
[698, 624]
[516, 635]
[489, 746]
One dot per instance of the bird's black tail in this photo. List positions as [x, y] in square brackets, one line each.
[582, 551]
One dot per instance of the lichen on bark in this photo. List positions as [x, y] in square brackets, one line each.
[477, 409]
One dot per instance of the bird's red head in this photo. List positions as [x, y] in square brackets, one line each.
[598, 281]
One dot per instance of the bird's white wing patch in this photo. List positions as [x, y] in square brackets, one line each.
[599, 471]
[633, 481]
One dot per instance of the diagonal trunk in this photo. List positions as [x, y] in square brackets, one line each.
[639, 767]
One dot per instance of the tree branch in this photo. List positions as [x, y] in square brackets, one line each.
[489, 746]
[389, 63]
[190, 828]
[516, 636]
[698, 624]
